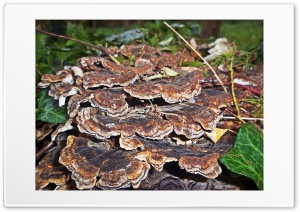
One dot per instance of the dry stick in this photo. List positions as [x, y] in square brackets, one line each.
[243, 118]
[225, 90]
[232, 131]
[102, 49]
[232, 85]
[142, 52]
[238, 117]
[44, 150]
[115, 60]
[38, 72]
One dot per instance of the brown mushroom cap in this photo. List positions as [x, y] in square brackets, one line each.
[75, 101]
[137, 51]
[131, 143]
[207, 116]
[62, 128]
[207, 165]
[64, 76]
[165, 59]
[96, 79]
[43, 131]
[168, 59]
[162, 180]
[83, 172]
[62, 90]
[182, 88]
[144, 90]
[205, 111]
[94, 122]
[89, 63]
[88, 160]
[112, 101]
[142, 66]
[183, 124]
[49, 170]
[114, 67]
[157, 153]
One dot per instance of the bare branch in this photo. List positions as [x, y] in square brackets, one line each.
[102, 49]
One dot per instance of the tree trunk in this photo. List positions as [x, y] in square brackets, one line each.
[210, 28]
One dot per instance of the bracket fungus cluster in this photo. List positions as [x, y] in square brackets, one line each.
[123, 129]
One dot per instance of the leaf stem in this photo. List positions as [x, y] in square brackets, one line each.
[225, 90]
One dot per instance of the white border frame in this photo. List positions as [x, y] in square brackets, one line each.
[19, 106]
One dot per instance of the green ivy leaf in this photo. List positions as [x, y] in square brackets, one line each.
[40, 53]
[48, 109]
[246, 157]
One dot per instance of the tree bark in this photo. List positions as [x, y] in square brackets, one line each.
[210, 28]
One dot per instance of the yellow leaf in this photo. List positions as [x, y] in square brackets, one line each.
[169, 71]
[156, 76]
[164, 71]
[216, 134]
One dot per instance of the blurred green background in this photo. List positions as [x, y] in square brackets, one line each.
[246, 33]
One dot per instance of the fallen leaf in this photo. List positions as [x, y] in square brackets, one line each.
[216, 134]
[165, 70]
[156, 76]
[166, 42]
[193, 43]
[169, 72]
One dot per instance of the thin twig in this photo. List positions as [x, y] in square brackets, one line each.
[232, 131]
[44, 150]
[238, 117]
[38, 72]
[102, 49]
[232, 84]
[142, 52]
[115, 60]
[225, 90]
[243, 118]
